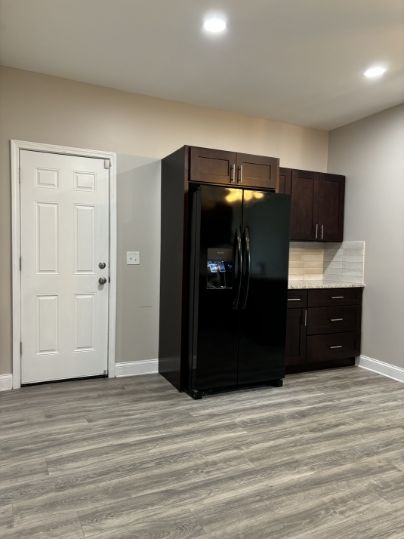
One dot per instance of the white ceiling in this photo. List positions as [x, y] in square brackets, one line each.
[299, 61]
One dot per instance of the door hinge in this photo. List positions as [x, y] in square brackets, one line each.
[20, 348]
[107, 163]
[20, 263]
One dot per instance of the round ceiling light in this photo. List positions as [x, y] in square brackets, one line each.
[214, 25]
[375, 72]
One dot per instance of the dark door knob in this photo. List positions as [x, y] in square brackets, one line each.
[102, 280]
[102, 265]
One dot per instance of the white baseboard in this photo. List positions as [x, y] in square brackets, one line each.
[6, 382]
[380, 367]
[134, 368]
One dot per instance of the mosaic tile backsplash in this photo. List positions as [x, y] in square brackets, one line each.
[343, 262]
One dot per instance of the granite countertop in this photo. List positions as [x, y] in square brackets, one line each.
[295, 284]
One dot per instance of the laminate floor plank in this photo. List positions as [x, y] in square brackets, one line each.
[132, 458]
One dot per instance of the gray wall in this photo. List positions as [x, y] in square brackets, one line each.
[371, 154]
[47, 109]
[138, 210]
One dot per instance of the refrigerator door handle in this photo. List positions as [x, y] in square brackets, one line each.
[239, 265]
[247, 243]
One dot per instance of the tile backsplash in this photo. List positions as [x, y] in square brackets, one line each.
[345, 261]
[331, 261]
[306, 261]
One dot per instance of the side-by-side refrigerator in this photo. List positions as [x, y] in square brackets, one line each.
[239, 247]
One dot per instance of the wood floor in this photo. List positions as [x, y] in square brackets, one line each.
[322, 457]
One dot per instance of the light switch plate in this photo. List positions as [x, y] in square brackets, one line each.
[133, 257]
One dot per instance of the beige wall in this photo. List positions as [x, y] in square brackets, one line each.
[371, 154]
[138, 287]
[57, 111]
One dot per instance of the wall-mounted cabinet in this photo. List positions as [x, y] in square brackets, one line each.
[237, 169]
[317, 205]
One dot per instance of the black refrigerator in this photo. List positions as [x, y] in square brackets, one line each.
[238, 276]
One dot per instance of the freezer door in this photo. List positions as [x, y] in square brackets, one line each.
[216, 286]
[264, 292]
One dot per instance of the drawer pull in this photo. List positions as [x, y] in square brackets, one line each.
[336, 319]
[294, 299]
[337, 297]
[335, 347]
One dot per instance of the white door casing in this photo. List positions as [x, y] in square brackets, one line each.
[64, 236]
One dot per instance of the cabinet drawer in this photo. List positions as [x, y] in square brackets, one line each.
[297, 299]
[333, 319]
[322, 348]
[334, 296]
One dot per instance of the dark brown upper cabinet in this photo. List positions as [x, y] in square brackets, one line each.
[329, 196]
[302, 226]
[238, 169]
[212, 166]
[257, 171]
[317, 204]
[285, 180]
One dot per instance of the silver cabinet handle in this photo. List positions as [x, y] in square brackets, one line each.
[233, 173]
[316, 230]
[294, 299]
[335, 347]
[336, 319]
[305, 318]
[240, 174]
[322, 232]
[337, 297]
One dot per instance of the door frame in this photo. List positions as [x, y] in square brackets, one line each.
[15, 148]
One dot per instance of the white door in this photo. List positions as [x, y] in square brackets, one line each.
[64, 247]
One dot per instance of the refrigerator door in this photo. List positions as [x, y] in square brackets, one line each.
[215, 286]
[264, 291]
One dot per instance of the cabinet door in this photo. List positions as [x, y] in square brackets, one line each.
[257, 171]
[329, 195]
[212, 166]
[285, 181]
[295, 353]
[302, 224]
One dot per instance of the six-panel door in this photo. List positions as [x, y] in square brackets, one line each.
[64, 238]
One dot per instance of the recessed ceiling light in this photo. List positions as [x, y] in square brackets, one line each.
[214, 25]
[375, 72]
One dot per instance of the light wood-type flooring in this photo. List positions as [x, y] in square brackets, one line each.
[320, 458]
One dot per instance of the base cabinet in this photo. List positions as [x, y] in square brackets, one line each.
[323, 328]
[296, 338]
